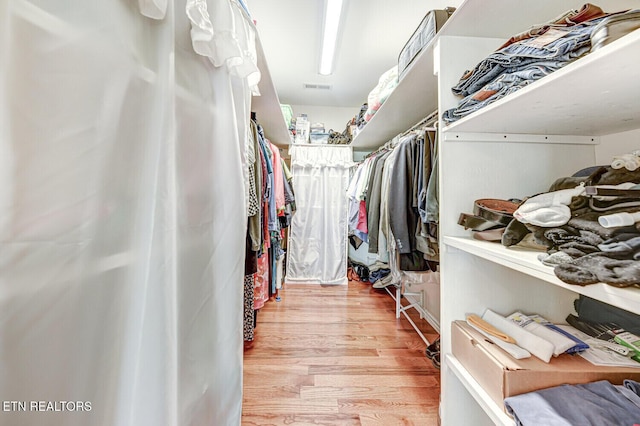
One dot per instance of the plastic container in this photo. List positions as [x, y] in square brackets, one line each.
[619, 219]
[319, 137]
[302, 129]
[317, 128]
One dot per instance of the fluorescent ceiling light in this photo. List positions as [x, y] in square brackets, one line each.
[333, 10]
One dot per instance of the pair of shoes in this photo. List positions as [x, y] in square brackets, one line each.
[384, 282]
[381, 284]
[436, 361]
[433, 349]
[433, 353]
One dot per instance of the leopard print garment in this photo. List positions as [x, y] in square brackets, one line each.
[248, 307]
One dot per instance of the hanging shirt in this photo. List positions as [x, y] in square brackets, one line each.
[364, 178]
[261, 283]
[362, 218]
[354, 203]
[267, 178]
[403, 216]
[253, 204]
[259, 169]
[273, 215]
[270, 196]
[289, 196]
[278, 179]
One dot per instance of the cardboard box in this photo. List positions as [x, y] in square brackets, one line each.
[500, 375]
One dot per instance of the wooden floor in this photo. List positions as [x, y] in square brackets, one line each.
[336, 355]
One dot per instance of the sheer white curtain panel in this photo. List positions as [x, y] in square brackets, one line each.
[317, 250]
[122, 214]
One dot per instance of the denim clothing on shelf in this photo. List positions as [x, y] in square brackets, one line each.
[519, 64]
[573, 16]
[567, 47]
[504, 85]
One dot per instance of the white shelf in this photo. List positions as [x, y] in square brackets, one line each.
[526, 261]
[267, 105]
[415, 97]
[504, 18]
[570, 101]
[497, 415]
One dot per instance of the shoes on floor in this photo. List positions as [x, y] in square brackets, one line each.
[436, 361]
[433, 349]
[385, 282]
[433, 353]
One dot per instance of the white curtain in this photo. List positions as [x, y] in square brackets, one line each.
[122, 216]
[317, 250]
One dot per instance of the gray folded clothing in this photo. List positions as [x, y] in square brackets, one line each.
[593, 268]
[589, 222]
[554, 259]
[627, 246]
[514, 233]
[595, 403]
[577, 249]
[567, 234]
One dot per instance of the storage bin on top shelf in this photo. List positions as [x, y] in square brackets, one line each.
[422, 36]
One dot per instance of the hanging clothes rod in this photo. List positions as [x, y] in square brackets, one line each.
[427, 124]
[328, 145]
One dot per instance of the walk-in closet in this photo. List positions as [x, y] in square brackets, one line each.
[335, 212]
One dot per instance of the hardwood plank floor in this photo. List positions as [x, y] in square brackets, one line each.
[336, 355]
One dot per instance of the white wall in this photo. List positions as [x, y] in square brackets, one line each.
[335, 118]
[616, 144]
[360, 155]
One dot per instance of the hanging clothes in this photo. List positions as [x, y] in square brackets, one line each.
[397, 185]
[250, 269]
[275, 208]
[278, 180]
[258, 169]
[261, 287]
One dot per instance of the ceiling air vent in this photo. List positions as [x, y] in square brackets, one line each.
[317, 86]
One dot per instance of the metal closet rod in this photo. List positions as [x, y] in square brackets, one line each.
[420, 125]
[431, 119]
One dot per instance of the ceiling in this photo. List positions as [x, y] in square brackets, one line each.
[373, 32]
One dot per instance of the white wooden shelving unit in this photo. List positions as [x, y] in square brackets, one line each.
[515, 147]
